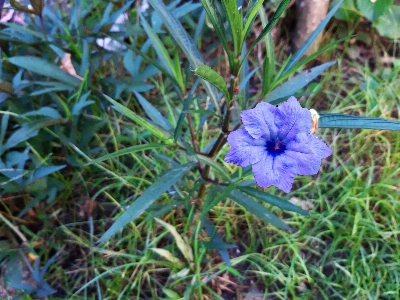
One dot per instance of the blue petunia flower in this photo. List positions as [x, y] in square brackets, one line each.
[277, 142]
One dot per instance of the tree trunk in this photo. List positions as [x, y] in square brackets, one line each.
[309, 13]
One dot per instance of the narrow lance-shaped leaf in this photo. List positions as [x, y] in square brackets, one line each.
[311, 38]
[162, 52]
[296, 83]
[280, 78]
[251, 13]
[185, 42]
[216, 20]
[139, 120]
[43, 67]
[257, 209]
[153, 113]
[146, 199]
[206, 73]
[212, 163]
[216, 239]
[273, 200]
[185, 107]
[213, 198]
[348, 121]
[268, 69]
[125, 151]
[235, 23]
[281, 8]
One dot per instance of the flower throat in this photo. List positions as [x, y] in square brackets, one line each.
[275, 147]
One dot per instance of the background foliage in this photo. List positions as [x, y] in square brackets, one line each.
[115, 138]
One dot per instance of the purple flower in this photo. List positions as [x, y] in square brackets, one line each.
[277, 142]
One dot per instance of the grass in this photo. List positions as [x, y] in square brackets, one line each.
[349, 248]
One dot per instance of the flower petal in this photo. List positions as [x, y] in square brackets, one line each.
[307, 150]
[259, 121]
[275, 170]
[292, 119]
[244, 149]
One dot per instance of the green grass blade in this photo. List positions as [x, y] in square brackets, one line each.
[299, 81]
[148, 197]
[138, 119]
[257, 209]
[125, 151]
[273, 200]
[311, 38]
[43, 67]
[348, 121]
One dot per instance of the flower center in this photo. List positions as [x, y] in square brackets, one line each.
[275, 147]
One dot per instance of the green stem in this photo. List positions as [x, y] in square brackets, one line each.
[221, 140]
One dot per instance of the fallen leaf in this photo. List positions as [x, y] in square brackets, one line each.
[67, 66]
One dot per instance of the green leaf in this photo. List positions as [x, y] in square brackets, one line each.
[146, 199]
[308, 59]
[251, 13]
[257, 209]
[217, 239]
[294, 84]
[45, 111]
[281, 8]
[348, 121]
[43, 67]
[158, 45]
[139, 120]
[153, 113]
[273, 200]
[171, 294]
[214, 164]
[43, 171]
[186, 105]
[125, 151]
[213, 198]
[216, 20]
[389, 24]
[268, 69]
[235, 23]
[21, 135]
[206, 73]
[295, 58]
[185, 42]
[372, 10]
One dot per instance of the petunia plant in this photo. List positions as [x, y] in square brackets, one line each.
[256, 142]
